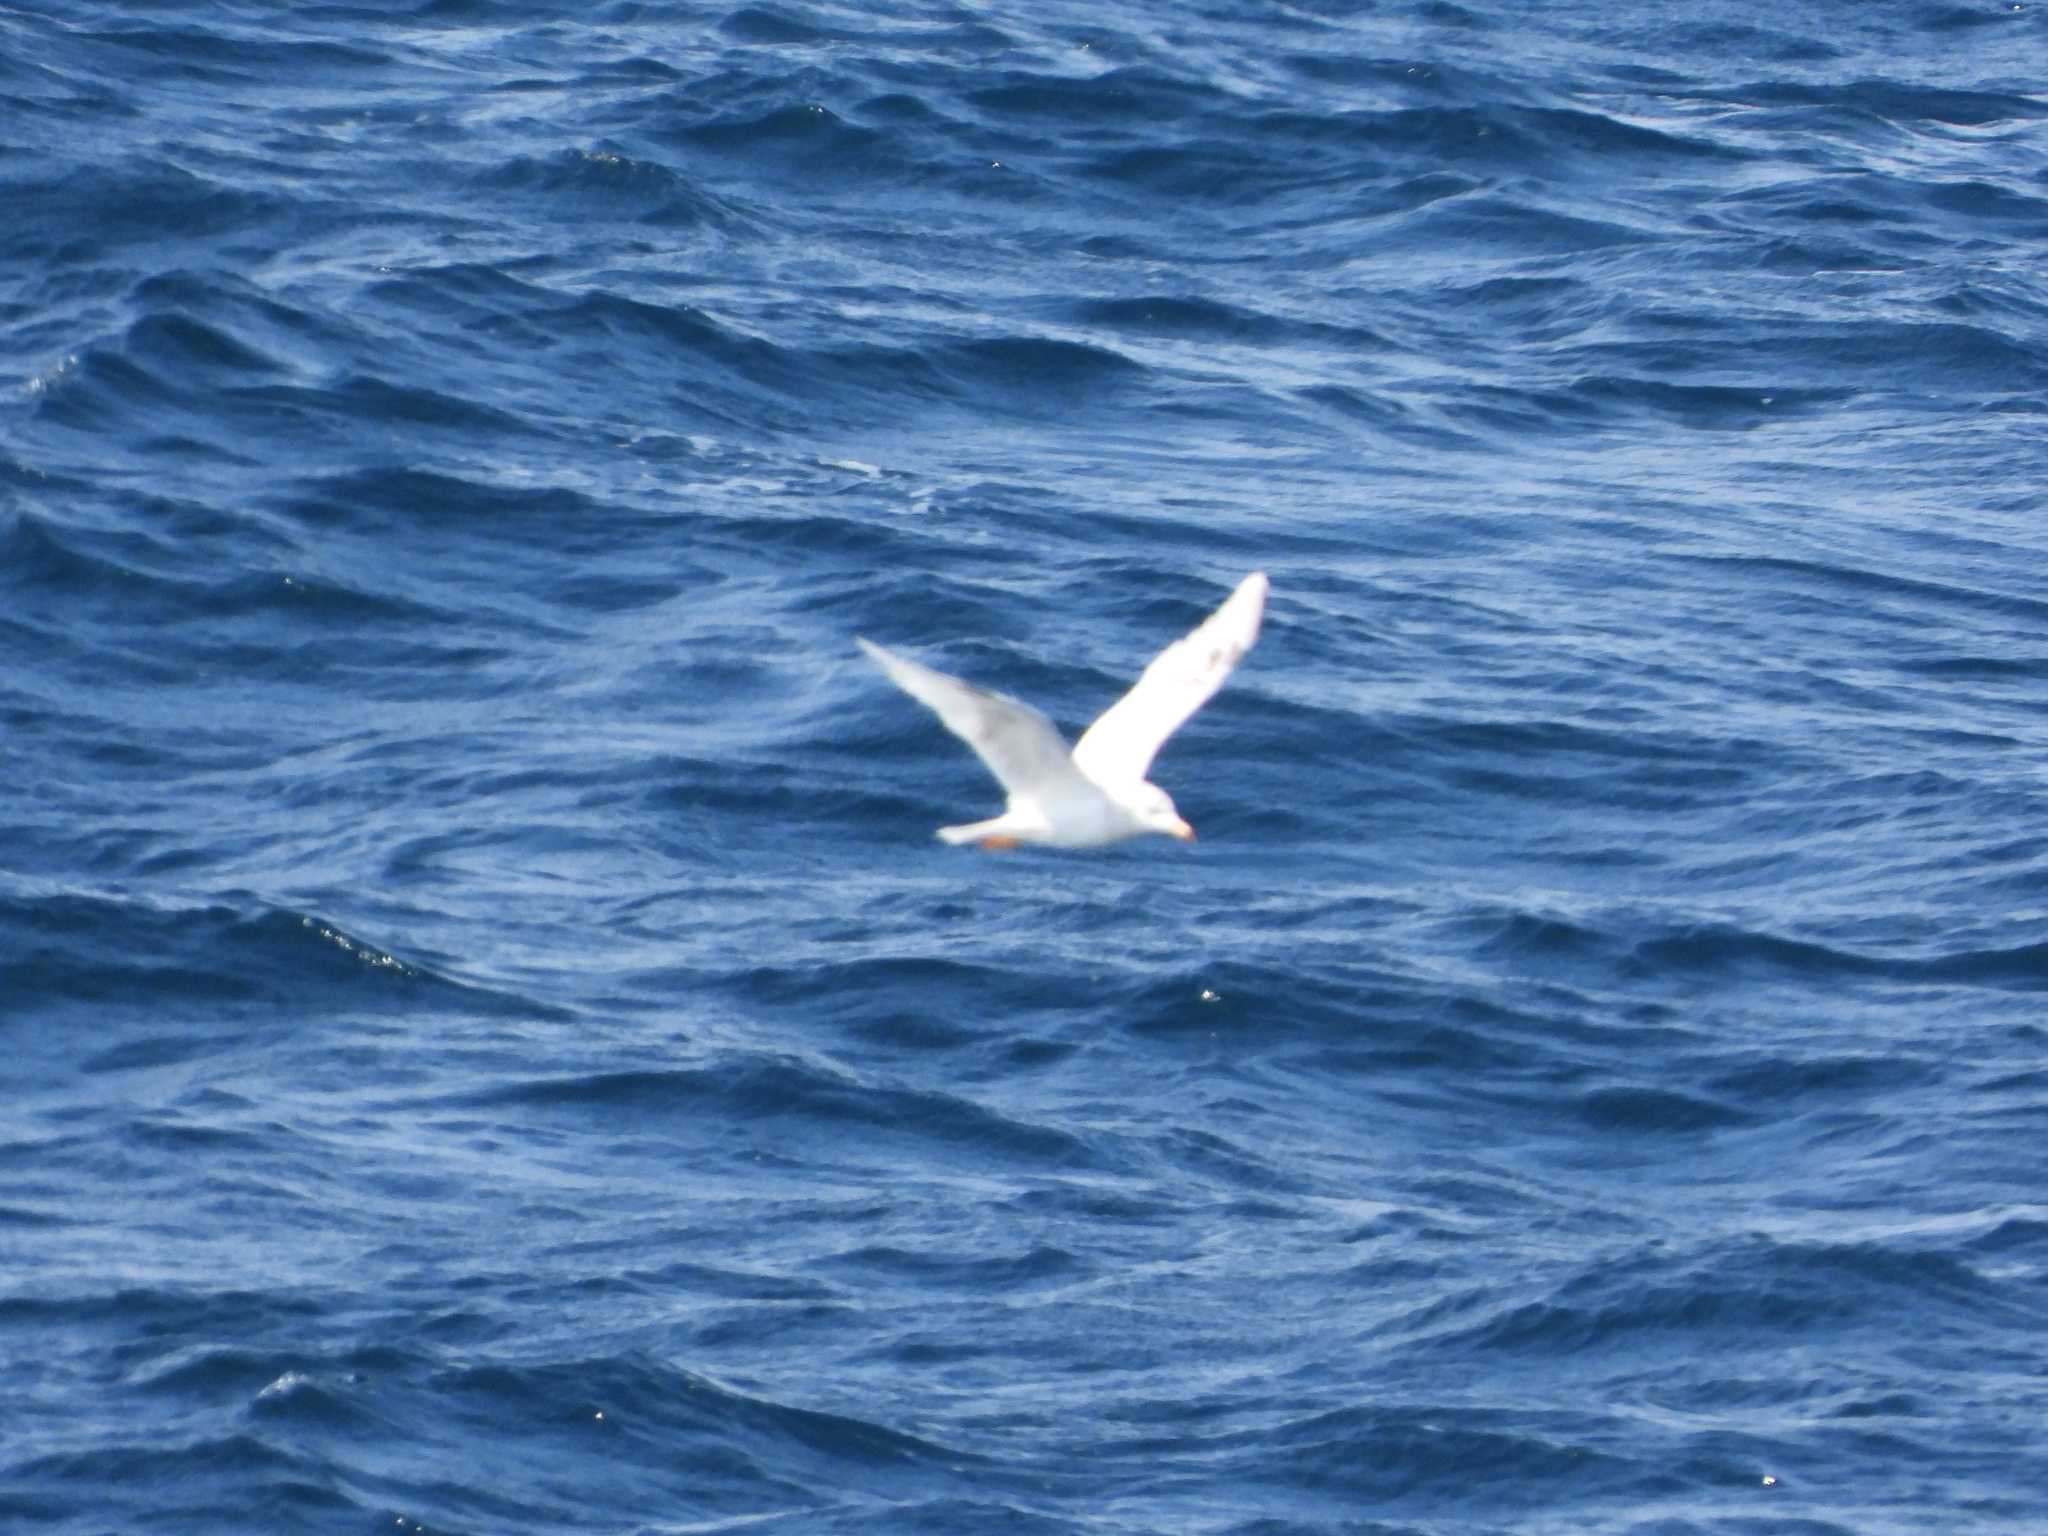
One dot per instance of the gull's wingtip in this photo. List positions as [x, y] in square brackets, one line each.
[1243, 610]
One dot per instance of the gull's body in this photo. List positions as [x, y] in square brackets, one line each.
[1097, 793]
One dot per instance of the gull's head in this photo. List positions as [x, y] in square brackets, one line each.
[1154, 810]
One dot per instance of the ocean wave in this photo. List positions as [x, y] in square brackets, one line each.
[72, 948]
[749, 1090]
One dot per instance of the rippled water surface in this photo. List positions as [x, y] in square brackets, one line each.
[492, 1045]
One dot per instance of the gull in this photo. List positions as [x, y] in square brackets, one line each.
[1098, 793]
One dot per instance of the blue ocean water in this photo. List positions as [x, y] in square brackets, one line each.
[491, 1043]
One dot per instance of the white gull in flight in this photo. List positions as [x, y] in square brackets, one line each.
[1098, 793]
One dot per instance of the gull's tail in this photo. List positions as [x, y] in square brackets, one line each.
[975, 831]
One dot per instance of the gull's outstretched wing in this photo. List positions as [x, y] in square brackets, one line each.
[1022, 748]
[1121, 744]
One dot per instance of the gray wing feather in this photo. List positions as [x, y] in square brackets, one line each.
[1022, 748]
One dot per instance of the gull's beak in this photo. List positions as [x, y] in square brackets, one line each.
[1183, 831]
